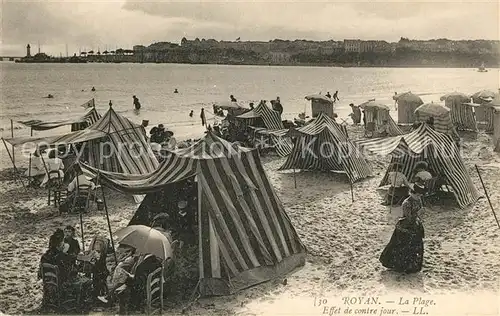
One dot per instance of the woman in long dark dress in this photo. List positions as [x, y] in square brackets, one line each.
[405, 251]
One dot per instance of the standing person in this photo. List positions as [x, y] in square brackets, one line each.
[233, 99]
[405, 250]
[335, 96]
[137, 104]
[203, 118]
[191, 113]
[356, 114]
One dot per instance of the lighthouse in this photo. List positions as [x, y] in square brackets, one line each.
[28, 51]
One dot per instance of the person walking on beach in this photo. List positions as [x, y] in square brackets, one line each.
[356, 114]
[137, 104]
[191, 113]
[335, 96]
[328, 95]
[405, 250]
[203, 118]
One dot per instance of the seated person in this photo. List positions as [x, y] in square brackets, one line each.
[421, 173]
[383, 129]
[53, 163]
[399, 186]
[121, 277]
[146, 264]
[37, 170]
[55, 256]
[73, 248]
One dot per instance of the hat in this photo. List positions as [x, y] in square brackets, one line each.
[417, 188]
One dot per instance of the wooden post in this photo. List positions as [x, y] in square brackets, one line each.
[487, 196]
[352, 191]
[29, 164]
[13, 164]
[294, 179]
[107, 216]
[12, 136]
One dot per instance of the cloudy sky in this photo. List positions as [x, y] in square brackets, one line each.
[110, 24]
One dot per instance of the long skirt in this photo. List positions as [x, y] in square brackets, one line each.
[405, 250]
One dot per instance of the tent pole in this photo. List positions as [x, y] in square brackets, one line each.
[107, 216]
[12, 135]
[393, 191]
[294, 178]
[75, 197]
[352, 192]
[487, 196]
[13, 164]
[29, 164]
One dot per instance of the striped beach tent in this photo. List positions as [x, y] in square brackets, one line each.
[407, 104]
[322, 145]
[245, 236]
[437, 149]
[461, 111]
[440, 113]
[88, 119]
[39, 125]
[126, 150]
[378, 113]
[272, 121]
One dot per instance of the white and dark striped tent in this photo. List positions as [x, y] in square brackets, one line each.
[378, 113]
[440, 113]
[322, 145]
[245, 236]
[89, 117]
[272, 121]
[407, 104]
[461, 111]
[437, 149]
[131, 154]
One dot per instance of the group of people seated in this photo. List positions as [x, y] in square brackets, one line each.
[43, 163]
[399, 183]
[160, 135]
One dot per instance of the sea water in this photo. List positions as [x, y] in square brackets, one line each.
[24, 86]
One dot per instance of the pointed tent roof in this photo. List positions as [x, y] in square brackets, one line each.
[341, 154]
[245, 235]
[438, 149]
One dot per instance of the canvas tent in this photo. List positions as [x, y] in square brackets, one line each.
[87, 119]
[271, 119]
[378, 113]
[437, 149]
[440, 113]
[320, 104]
[407, 104]
[461, 111]
[245, 236]
[322, 145]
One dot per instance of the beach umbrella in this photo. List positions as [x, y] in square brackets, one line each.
[318, 97]
[496, 100]
[461, 97]
[373, 105]
[408, 98]
[432, 109]
[483, 96]
[145, 240]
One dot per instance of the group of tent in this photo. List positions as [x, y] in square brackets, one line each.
[245, 236]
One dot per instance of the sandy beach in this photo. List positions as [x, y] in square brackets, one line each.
[344, 240]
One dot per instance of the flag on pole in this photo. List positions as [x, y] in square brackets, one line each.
[89, 104]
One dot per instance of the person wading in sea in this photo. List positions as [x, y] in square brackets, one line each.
[203, 118]
[137, 104]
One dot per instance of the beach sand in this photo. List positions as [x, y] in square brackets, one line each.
[344, 240]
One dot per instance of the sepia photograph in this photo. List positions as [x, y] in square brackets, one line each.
[250, 158]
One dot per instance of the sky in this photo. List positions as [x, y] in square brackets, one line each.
[110, 24]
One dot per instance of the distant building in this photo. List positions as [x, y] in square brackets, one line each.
[352, 46]
[28, 51]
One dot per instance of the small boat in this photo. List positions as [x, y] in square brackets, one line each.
[482, 68]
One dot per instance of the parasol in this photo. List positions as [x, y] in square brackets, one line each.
[145, 240]
[483, 96]
[432, 109]
[229, 105]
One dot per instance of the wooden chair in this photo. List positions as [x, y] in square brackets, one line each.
[55, 187]
[154, 292]
[83, 198]
[53, 296]
[370, 129]
[432, 186]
